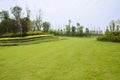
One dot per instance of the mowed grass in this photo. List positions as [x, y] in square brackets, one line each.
[71, 59]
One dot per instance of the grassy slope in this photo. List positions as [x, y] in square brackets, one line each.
[72, 59]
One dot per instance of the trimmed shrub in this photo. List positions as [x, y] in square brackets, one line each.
[27, 40]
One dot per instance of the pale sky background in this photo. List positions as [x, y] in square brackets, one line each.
[89, 13]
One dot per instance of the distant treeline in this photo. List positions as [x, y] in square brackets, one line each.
[78, 30]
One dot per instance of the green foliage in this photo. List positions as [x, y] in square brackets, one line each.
[9, 26]
[118, 27]
[12, 26]
[4, 15]
[73, 30]
[114, 33]
[57, 32]
[68, 30]
[78, 25]
[25, 26]
[87, 32]
[112, 25]
[16, 11]
[80, 33]
[28, 13]
[30, 33]
[4, 26]
[46, 26]
[110, 36]
[38, 22]
[107, 30]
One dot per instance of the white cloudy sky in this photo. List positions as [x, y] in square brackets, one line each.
[89, 13]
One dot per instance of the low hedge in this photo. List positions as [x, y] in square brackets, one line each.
[24, 39]
[27, 40]
[30, 33]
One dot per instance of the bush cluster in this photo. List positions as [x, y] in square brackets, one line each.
[110, 36]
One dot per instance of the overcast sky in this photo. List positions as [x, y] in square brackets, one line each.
[89, 13]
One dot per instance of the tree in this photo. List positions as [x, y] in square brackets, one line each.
[73, 30]
[9, 26]
[14, 27]
[25, 26]
[4, 28]
[107, 30]
[29, 23]
[4, 15]
[46, 26]
[1, 15]
[38, 21]
[78, 26]
[87, 32]
[69, 22]
[81, 31]
[68, 29]
[118, 27]
[112, 25]
[28, 12]
[16, 11]
[27, 19]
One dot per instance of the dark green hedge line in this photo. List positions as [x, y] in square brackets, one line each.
[30, 33]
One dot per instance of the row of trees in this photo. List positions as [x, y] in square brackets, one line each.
[21, 25]
[78, 30]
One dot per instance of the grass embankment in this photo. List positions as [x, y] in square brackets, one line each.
[27, 40]
[71, 59]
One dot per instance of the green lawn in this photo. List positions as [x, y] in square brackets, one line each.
[71, 59]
